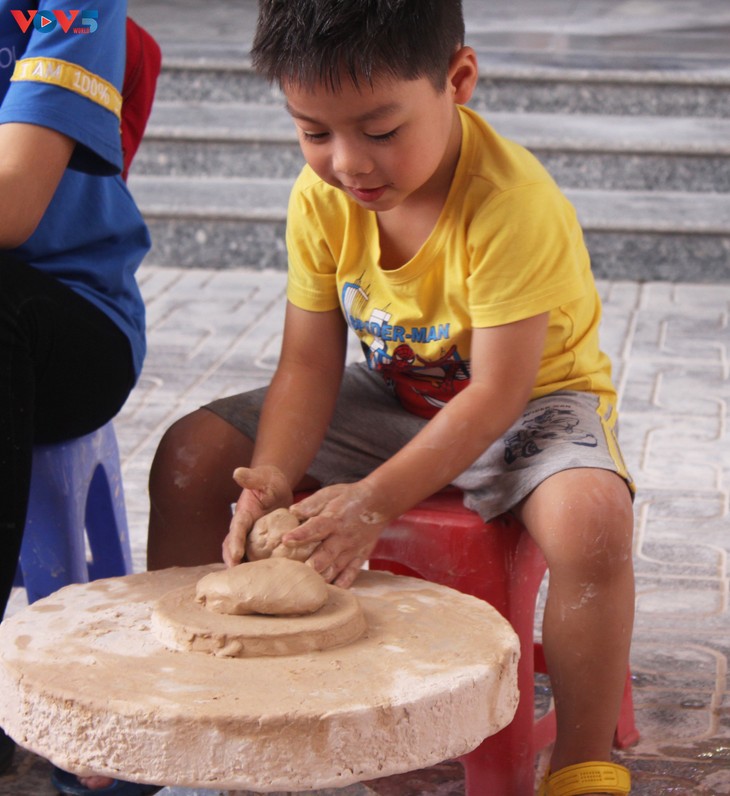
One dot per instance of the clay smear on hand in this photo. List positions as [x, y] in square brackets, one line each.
[273, 586]
[264, 540]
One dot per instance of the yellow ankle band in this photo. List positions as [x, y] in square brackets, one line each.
[589, 778]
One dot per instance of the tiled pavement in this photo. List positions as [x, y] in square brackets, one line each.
[213, 332]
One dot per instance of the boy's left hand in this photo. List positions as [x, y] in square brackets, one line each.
[342, 518]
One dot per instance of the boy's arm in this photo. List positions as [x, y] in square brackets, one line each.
[348, 518]
[504, 364]
[294, 418]
[32, 162]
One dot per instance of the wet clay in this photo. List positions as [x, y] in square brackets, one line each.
[264, 540]
[273, 586]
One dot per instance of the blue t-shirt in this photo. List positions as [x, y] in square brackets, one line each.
[64, 69]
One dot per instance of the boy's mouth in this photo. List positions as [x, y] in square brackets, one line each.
[367, 194]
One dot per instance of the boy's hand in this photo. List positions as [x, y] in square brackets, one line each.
[264, 489]
[342, 519]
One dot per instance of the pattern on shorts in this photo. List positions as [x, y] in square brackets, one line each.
[535, 433]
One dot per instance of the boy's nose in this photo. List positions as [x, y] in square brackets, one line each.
[351, 161]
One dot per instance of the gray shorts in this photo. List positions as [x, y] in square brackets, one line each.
[560, 431]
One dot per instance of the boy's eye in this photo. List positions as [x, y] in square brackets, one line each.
[313, 136]
[384, 136]
[319, 137]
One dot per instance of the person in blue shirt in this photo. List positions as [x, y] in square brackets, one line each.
[72, 321]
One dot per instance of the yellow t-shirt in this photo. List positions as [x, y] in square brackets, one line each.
[507, 246]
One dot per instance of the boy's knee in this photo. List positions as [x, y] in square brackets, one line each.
[589, 529]
[199, 451]
[609, 531]
[181, 450]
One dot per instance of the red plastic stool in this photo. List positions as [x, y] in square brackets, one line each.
[444, 542]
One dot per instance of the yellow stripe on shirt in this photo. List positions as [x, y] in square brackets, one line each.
[56, 72]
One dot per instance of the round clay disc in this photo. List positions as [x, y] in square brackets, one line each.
[181, 623]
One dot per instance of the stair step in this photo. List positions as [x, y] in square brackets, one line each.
[639, 35]
[581, 151]
[616, 92]
[219, 198]
[631, 234]
[502, 86]
[251, 122]
[266, 200]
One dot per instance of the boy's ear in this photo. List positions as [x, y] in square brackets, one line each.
[463, 74]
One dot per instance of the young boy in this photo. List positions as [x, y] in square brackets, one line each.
[455, 259]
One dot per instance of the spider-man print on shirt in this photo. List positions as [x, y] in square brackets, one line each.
[404, 354]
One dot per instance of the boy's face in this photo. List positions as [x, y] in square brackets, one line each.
[391, 144]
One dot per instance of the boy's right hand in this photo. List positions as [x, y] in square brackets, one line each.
[264, 489]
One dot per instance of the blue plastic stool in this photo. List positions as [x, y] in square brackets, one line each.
[75, 495]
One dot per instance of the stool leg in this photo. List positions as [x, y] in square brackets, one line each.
[18, 581]
[52, 554]
[499, 765]
[505, 762]
[626, 732]
[106, 527]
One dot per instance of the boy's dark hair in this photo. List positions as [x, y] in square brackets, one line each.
[316, 42]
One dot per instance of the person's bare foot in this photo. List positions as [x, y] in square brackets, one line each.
[66, 782]
[96, 782]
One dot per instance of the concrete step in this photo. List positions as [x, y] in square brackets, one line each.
[616, 92]
[519, 86]
[641, 35]
[226, 222]
[580, 151]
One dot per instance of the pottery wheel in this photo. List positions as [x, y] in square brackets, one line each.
[183, 624]
[86, 683]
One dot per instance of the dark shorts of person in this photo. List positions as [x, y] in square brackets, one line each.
[66, 369]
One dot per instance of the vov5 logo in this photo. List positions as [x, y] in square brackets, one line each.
[47, 21]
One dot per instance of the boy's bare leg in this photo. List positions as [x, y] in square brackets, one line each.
[582, 519]
[192, 488]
